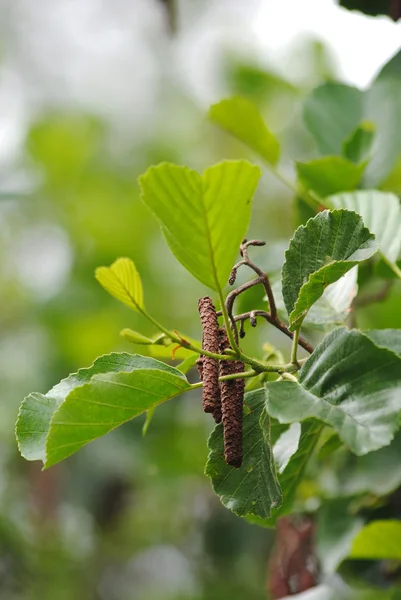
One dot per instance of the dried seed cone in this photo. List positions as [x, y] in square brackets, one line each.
[232, 397]
[209, 367]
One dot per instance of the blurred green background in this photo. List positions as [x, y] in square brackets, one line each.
[91, 94]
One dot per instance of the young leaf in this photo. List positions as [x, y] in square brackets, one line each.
[329, 175]
[348, 383]
[379, 540]
[204, 218]
[92, 402]
[331, 113]
[358, 146]
[122, 281]
[253, 488]
[242, 119]
[319, 254]
[381, 213]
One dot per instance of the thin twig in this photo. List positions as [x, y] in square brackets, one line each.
[278, 324]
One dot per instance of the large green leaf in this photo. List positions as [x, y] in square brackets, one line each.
[329, 175]
[92, 402]
[332, 112]
[377, 473]
[381, 214]
[378, 540]
[242, 119]
[204, 218]
[253, 488]
[348, 383]
[122, 281]
[319, 254]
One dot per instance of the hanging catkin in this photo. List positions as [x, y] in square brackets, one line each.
[232, 396]
[209, 367]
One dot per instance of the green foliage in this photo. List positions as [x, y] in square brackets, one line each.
[122, 281]
[241, 118]
[381, 213]
[320, 433]
[329, 175]
[332, 113]
[319, 254]
[378, 540]
[338, 386]
[92, 402]
[203, 218]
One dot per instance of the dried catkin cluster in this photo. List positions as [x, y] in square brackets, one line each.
[209, 367]
[232, 397]
[225, 399]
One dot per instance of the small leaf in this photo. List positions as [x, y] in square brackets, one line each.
[136, 338]
[319, 254]
[92, 402]
[242, 119]
[203, 218]
[348, 383]
[379, 540]
[330, 175]
[252, 489]
[122, 281]
[381, 213]
[332, 112]
[358, 146]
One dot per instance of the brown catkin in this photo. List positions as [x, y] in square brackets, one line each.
[209, 367]
[232, 397]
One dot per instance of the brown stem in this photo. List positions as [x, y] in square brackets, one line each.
[276, 323]
[261, 279]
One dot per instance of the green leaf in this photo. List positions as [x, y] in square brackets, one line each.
[204, 218]
[329, 175]
[358, 146]
[383, 108]
[336, 529]
[332, 112]
[122, 281]
[319, 254]
[379, 540]
[377, 473]
[332, 308]
[381, 213]
[242, 119]
[386, 338]
[291, 471]
[92, 402]
[253, 488]
[348, 383]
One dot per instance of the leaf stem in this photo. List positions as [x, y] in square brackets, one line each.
[393, 266]
[179, 341]
[294, 349]
[310, 199]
